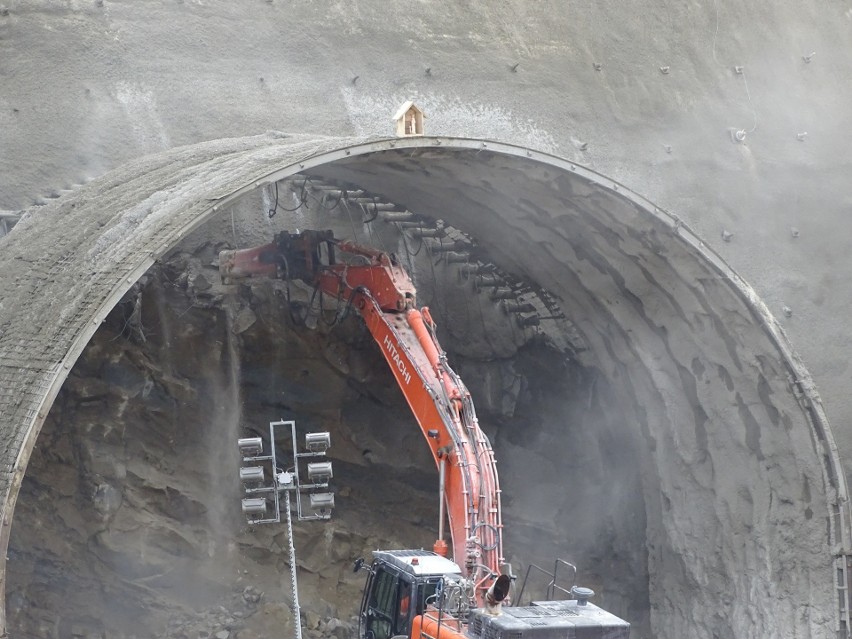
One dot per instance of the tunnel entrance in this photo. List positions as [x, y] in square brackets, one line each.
[642, 406]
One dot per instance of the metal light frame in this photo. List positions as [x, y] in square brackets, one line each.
[285, 481]
[317, 444]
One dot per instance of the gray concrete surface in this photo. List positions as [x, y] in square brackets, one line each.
[89, 85]
[734, 454]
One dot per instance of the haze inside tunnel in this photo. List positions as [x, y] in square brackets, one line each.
[700, 460]
[690, 365]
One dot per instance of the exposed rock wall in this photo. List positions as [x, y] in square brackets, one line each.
[129, 523]
[634, 282]
[649, 95]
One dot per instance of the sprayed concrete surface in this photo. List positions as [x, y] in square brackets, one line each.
[648, 95]
[729, 457]
[88, 85]
[137, 457]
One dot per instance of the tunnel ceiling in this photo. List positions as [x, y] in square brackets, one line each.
[733, 431]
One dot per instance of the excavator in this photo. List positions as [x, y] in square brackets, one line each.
[424, 594]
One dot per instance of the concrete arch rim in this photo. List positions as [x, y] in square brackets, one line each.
[808, 397]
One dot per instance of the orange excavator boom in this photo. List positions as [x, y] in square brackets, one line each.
[380, 289]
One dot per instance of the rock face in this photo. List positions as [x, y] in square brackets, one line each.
[698, 378]
[733, 116]
[128, 523]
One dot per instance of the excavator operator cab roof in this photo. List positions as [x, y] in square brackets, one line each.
[418, 562]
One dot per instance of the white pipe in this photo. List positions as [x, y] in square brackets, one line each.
[441, 480]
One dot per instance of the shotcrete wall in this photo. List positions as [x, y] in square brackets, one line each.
[647, 94]
[688, 349]
[651, 95]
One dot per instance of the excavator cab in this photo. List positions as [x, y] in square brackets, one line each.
[401, 584]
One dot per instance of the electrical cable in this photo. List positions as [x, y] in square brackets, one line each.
[351, 221]
[338, 316]
[371, 236]
[302, 201]
[485, 332]
[360, 289]
[376, 238]
[320, 312]
[420, 245]
[405, 242]
[340, 197]
[321, 202]
[434, 275]
[375, 210]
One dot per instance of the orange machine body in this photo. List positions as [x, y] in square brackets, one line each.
[383, 293]
[433, 625]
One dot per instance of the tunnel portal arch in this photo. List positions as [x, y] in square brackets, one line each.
[621, 264]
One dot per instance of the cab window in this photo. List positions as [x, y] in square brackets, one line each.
[382, 606]
[403, 614]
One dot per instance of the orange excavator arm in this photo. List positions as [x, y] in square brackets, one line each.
[384, 295]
